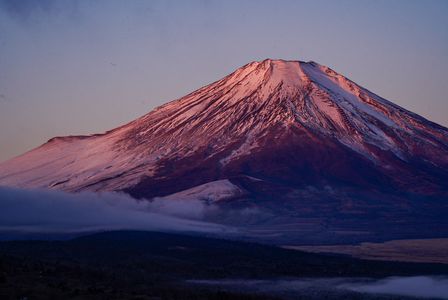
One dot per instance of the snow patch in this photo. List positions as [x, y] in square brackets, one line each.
[210, 192]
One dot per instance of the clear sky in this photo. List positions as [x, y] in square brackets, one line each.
[80, 67]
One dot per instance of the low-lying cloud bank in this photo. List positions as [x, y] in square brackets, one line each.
[47, 211]
[412, 286]
[416, 286]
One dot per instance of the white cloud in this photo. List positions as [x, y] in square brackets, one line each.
[48, 211]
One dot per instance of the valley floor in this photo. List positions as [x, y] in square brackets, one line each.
[152, 265]
[416, 250]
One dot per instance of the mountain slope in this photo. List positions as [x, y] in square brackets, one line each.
[283, 132]
[262, 102]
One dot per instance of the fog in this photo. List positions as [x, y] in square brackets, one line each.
[55, 212]
[418, 286]
[316, 288]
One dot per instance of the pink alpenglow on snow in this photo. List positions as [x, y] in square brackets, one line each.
[230, 119]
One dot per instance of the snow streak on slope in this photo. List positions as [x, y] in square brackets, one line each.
[210, 192]
[232, 118]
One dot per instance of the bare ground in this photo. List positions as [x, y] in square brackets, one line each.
[417, 250]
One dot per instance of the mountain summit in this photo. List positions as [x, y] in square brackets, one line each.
[289, 134]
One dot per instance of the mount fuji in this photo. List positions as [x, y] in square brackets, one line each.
[300, 151]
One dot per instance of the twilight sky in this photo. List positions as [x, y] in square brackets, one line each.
[80, 67]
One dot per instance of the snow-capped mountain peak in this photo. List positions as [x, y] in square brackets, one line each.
[271, 104]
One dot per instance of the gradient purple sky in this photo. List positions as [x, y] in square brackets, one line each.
[80, 67]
